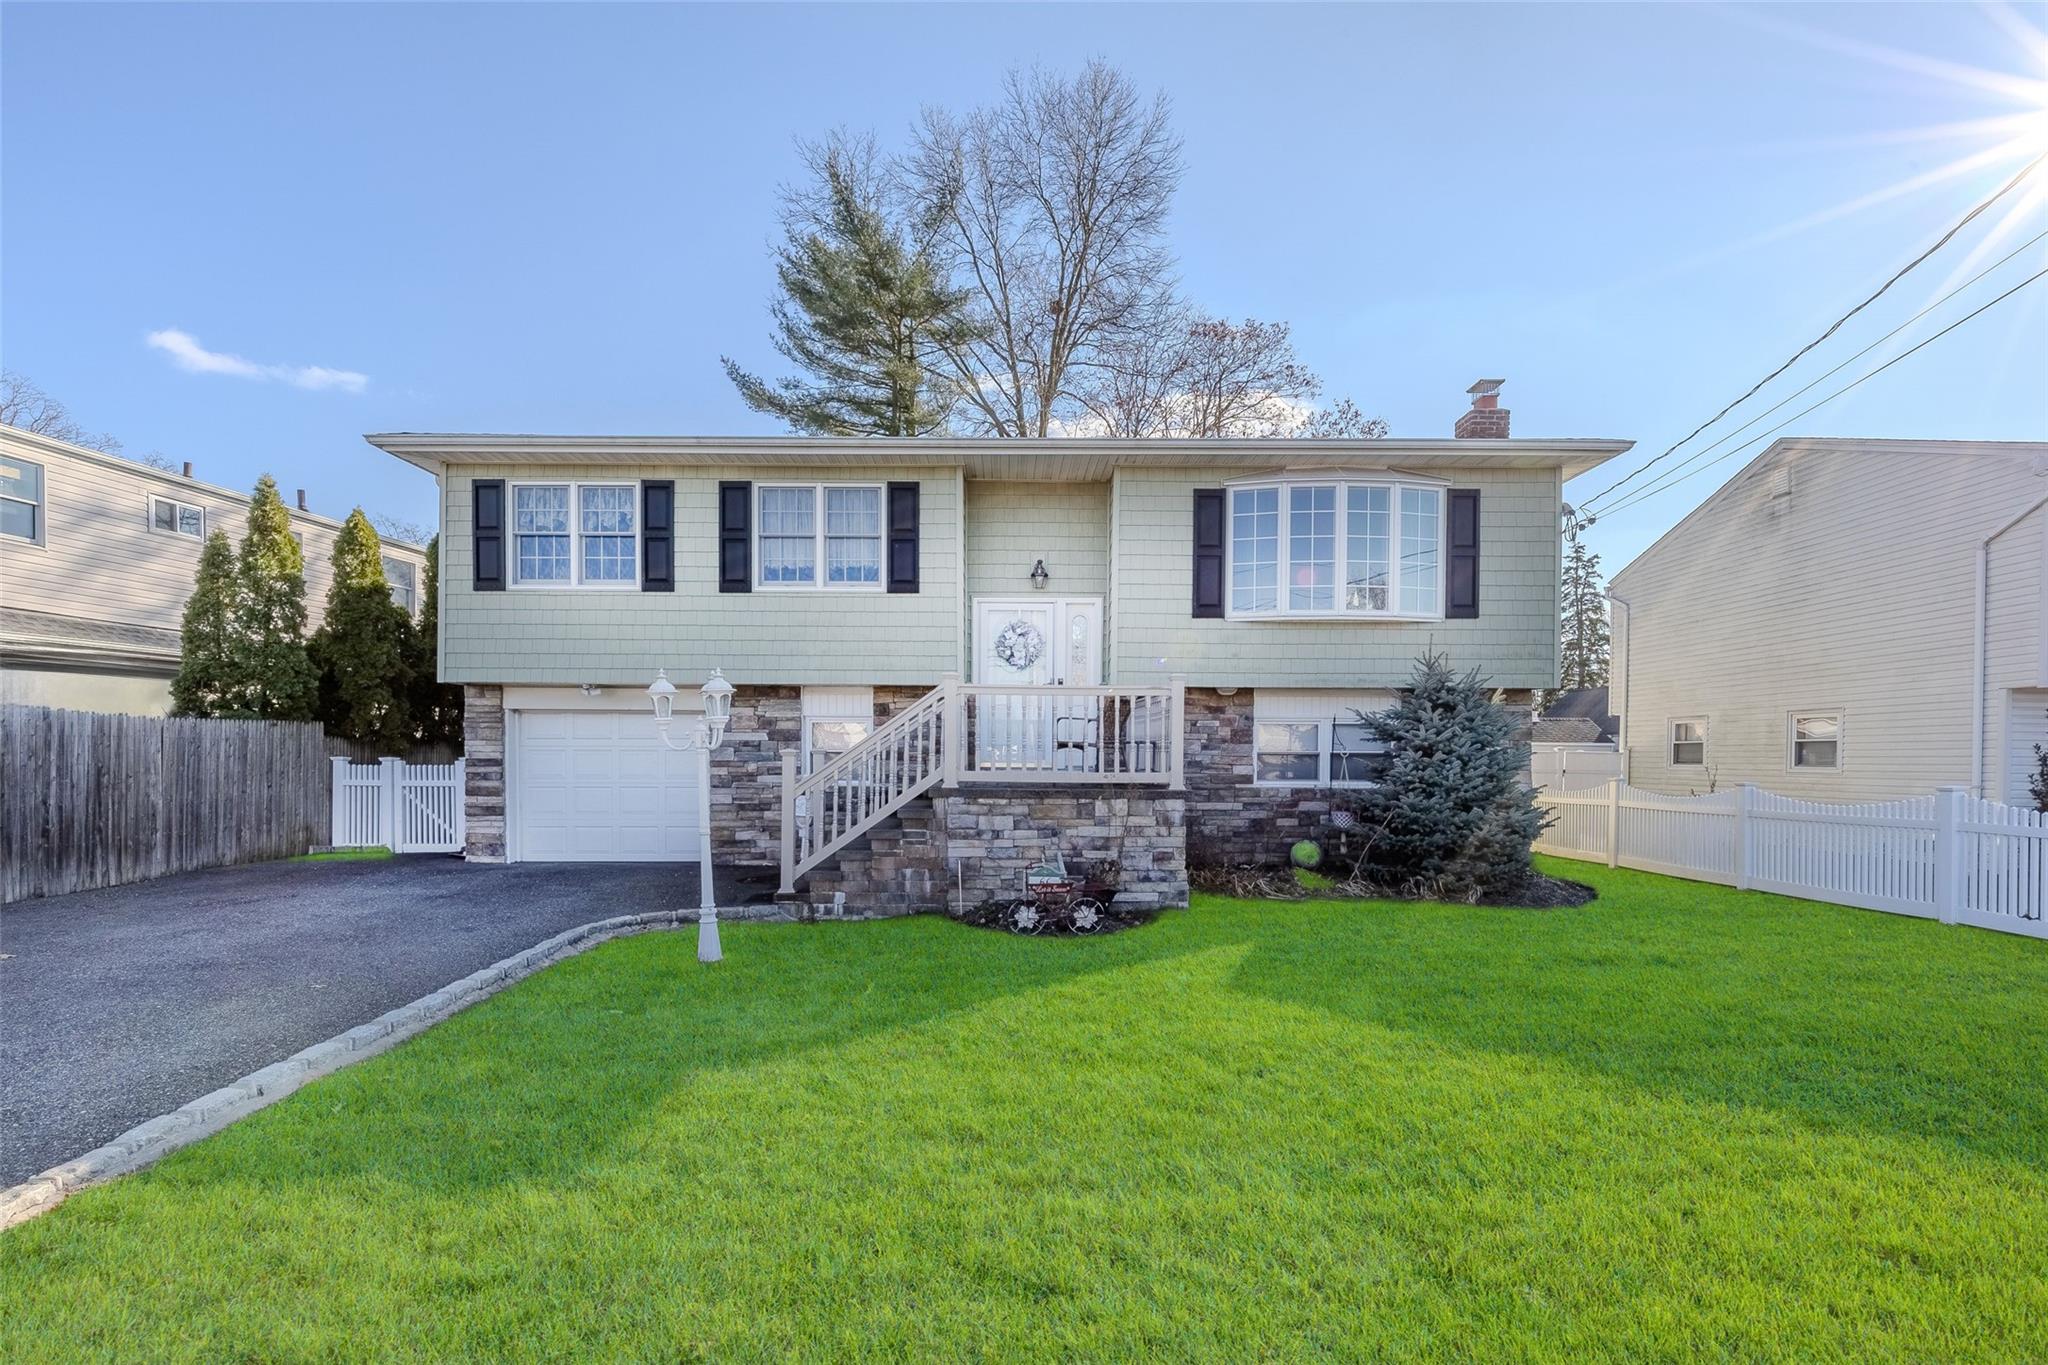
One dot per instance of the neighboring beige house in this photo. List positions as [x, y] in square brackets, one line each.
[1268, 587]
[97, 556]
[1844, 620]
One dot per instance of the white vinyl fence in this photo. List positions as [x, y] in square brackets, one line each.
[1950, 856]
[405, 807]
[1572, 767]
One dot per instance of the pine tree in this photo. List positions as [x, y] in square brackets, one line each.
[363, 649]
[1450, 813]
[861, 309]
[1581, 621]
[436, 706]
[205, 644]
[270, 676]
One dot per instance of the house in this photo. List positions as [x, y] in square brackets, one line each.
[1580, 715]
[1844, 620]
[952, 656]
[97, 558]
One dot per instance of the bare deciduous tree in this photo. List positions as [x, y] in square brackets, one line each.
[1341, 421]
[1198, 377]
[24, 406]
[1054, 205]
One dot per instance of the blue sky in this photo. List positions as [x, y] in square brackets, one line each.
[540, 218]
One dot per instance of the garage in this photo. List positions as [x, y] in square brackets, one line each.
[600, 787]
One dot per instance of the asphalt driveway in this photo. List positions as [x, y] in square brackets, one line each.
[118, 1005]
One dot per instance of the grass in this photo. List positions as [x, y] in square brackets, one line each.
[345, 855]
[1678, 1122]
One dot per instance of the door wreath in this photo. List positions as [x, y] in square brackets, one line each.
[1019, 645]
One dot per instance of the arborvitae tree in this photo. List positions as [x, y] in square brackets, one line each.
[205, 665]
[862, 307]
[364, 646]
[1449, 814]
[271, 676]
[1582, 621]
[436, 706]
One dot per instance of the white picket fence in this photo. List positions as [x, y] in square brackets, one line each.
[1950, 856]
[405, 807]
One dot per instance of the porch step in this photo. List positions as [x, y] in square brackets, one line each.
[892, 869]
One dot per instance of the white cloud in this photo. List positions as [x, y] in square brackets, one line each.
[187, 354]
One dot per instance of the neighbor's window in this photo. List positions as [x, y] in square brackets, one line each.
[1338, 548]
[566, 535]
[21, 499]
[1817, 740]
[177, 518]
[398, 574]
[798, 547]
[1300, 739]
[1688, 742]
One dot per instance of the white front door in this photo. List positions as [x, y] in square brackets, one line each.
[1038, 642]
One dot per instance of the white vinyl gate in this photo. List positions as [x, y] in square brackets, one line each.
[405, 807]
[1950, 856]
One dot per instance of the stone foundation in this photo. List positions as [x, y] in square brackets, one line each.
[746, 776]
[1229, 820]
[990, 837]
[483, 797]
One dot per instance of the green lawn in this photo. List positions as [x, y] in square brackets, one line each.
[1676, 1123]
[345, 855]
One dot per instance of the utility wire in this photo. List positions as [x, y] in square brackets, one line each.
[1676, 477]
[1591, 517]
[1834, 327]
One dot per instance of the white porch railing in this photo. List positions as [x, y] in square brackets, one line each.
[405, 807]
[1950, 856]
[968, 733]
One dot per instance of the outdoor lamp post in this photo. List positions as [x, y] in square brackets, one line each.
[717, 694]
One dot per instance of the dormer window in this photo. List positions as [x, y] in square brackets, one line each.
[1342, 548]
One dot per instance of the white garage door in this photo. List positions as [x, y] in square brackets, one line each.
[600, 787]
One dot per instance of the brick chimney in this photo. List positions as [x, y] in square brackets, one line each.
[1486, 419]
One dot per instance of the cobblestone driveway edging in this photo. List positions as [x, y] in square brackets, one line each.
[154, 1139]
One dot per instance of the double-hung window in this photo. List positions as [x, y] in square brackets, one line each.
[1336, 547]
[21, 499]
[398, 574]
[575, 535]
[172, 517]
[1688, 742]
[819, 535]
[1307, 739]
[1815, 740]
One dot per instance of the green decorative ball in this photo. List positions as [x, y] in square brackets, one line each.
[1307, 853]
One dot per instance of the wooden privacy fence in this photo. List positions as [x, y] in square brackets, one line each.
[405, 807]
[1950, 856]
[90, 799]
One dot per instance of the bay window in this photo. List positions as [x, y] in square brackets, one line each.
[569, 535]
[1336, 547]
[819, 535]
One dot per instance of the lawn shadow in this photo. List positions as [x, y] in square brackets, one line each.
[1842, 1019]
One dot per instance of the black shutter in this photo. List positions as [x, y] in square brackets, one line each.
[902, 537]
[1462, 549]
[658, 535]
[487, 534]
[1208, 552]
[735, 537]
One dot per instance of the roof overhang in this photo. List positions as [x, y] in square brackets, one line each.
[1037, 460]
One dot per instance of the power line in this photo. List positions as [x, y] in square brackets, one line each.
[1701, 453]
[1676, 477]
[1833, 327]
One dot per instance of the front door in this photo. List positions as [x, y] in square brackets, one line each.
[1038, 642]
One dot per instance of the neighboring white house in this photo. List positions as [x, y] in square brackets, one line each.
[97, 558]
[1076, 588]
[1844, 620]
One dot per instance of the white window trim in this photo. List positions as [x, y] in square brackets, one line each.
[1671, 740]
[1342, 481]
[835, 704]
[881, 582]
[1288, 708]
[177, 507]
[1792, 719]
[412, 585]
[575, 581]
[41, 505]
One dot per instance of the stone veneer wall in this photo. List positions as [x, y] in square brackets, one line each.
[1229, 819]
[991, 836]
[483, 751]
[746, 776]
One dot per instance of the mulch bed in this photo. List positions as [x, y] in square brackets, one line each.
[1540, 892]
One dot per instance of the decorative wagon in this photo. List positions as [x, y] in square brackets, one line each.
[1058, 901]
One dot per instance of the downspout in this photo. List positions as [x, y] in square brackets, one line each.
[1978, 667]
[1628, 643]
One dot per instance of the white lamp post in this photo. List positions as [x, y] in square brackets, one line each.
[717, 694]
